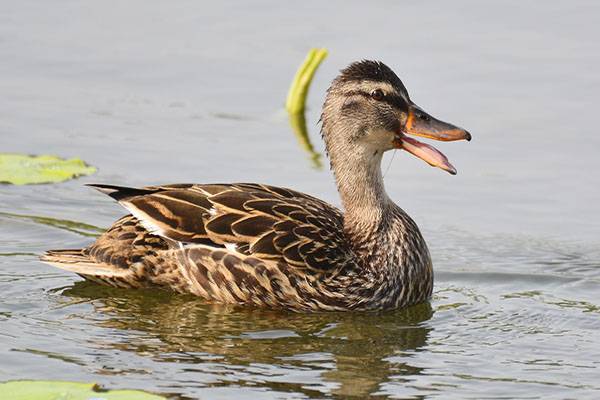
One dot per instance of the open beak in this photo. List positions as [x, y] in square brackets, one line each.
[419, 123]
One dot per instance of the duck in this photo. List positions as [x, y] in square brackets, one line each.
[265, 246]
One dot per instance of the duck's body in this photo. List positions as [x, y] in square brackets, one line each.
[254, 244]
[268, 246]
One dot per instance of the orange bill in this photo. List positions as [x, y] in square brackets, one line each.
[419, 123]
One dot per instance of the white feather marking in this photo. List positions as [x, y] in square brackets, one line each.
[231, 246]
[212, 211]
[142, 218]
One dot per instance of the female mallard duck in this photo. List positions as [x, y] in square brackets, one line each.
[254, 244]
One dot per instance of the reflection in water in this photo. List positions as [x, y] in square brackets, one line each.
[345, 352]
[298, 124]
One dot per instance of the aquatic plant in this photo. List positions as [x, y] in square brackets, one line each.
[20, 169]
[53, 390]
[296, 102]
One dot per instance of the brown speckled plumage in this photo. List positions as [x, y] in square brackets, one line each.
[270, 246]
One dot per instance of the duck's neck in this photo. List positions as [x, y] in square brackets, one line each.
[368, 209]
[386, 241]
[360, 184]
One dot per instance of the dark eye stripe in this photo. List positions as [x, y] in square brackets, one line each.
[397, 102]
[393, 100]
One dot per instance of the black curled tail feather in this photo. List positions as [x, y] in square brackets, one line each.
[120, 193]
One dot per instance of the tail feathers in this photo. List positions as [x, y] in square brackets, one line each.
[77, 261]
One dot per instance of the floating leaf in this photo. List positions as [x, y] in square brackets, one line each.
[58, 390]
[19, 169]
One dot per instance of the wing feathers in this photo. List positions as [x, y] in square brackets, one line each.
[232, 200]
[265, 221]
[253, 227]
[265, 246]
[221, 226]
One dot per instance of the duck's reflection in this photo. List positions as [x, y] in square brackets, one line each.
[348, 350]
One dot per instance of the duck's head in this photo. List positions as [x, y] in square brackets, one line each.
[368, 111]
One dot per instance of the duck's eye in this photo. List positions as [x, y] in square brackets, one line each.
[377, 94]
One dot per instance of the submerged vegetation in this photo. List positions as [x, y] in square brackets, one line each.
[79, 228]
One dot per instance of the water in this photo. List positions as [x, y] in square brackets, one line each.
[158, 93]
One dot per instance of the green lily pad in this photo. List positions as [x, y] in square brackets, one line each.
[58, 390]
[19, 169]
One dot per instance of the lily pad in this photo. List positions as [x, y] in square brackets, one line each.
[20, 169]
[58, 390]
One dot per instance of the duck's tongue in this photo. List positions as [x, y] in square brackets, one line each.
[427, 153]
